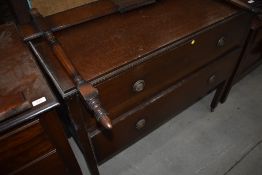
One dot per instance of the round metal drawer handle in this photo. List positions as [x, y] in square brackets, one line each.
[212, 79]
[140, 124]
[221, 42]
[139, 86]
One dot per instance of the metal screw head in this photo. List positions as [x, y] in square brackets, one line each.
[141, 124]
[139, 86]
[221, 42]
[212, 79]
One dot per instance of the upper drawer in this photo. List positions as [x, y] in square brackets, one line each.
[134, 85]
[22, 146]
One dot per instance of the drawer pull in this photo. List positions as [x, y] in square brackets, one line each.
[212, 79]
[139, 86]
[140, 124]
[221, 42]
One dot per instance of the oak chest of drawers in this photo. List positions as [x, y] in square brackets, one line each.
[32, 137]
[147, 65]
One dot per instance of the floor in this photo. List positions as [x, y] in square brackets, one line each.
[198, 142]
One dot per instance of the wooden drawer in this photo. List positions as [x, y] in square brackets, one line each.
[118, 94]
[49, 163]
[22, 146]
[136, 123]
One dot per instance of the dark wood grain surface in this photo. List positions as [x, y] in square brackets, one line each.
[68, 18]
[39, 146]
[126, 5]
[32, 141]
[124, 38]
[161, 107]
[117, 93]
[20, 9]
[253, 51]
[22, 146]
[154, 44]
[19, 73]
[50, 164]
[6, 14]
[12, 105]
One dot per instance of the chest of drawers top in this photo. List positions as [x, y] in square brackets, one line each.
[102, 48]
[19, 74]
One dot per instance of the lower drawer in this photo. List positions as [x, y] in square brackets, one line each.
[22, 146]
[49, 163]
[136, 123]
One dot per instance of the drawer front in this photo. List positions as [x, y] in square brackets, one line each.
[137, 84]
[50, 164]
[142, 119]
[22, 146]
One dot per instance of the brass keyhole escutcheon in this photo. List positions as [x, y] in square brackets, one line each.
[141, 124]
[139, 86]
